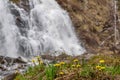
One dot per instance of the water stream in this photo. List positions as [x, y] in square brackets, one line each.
[47, 28]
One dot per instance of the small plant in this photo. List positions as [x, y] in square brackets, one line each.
[20, 77]
[86, 71]
[50, 72]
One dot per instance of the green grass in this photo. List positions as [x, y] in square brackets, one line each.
[75, 69]
[50, 72]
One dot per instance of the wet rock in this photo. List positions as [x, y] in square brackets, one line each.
[2, 68]
[10, 76]
[19, 60]
[22, 24]
[62, 57]
[2, 60]
[14, 11]
[9, 60]
[8, 67]
[25, 5]
[48, 57]
[22, 3]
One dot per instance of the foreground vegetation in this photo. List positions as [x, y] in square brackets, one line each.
[99, 67]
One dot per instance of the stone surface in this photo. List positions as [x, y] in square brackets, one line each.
[94, 22]
[9, 66]
[10, 77]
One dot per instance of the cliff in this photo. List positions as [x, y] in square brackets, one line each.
[94, 23]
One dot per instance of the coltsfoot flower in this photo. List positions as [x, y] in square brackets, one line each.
[57, 65]
[38, 57]
[17, 71]
[41, 62]
[102, 68]
[62, 63]
[75, 60]
[98, 67]
[102, 61]
[33, 60]
[73, 66]
[61, 73]
[78, 66]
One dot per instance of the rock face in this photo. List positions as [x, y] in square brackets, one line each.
[94, 22]
[22, 3]
[22, 24]
[9, 66]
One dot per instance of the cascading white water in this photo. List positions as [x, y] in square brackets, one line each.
[49, 30]
[8, 31]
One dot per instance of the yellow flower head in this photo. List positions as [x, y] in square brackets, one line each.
[61, 73]
[102, 61]
[73, 65]
[57, 65]
[102, 68]
[75, 60]
[78, 66]
[41, 62]
[17, 71]
[98, 67]
[38, 57]
[33, 60]
[62, 63]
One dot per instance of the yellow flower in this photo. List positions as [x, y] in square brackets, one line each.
[61, 73]
[75, 60]
[41, 62]
[102, 68]
[98, 67]
[78, 66]
[38, 57]
[62, 63]
[17, 71]
[73, 65]
[57, 65]
[102, 61]
[33, 60]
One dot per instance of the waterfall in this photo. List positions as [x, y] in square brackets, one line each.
[8, 31]
[47, 28]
